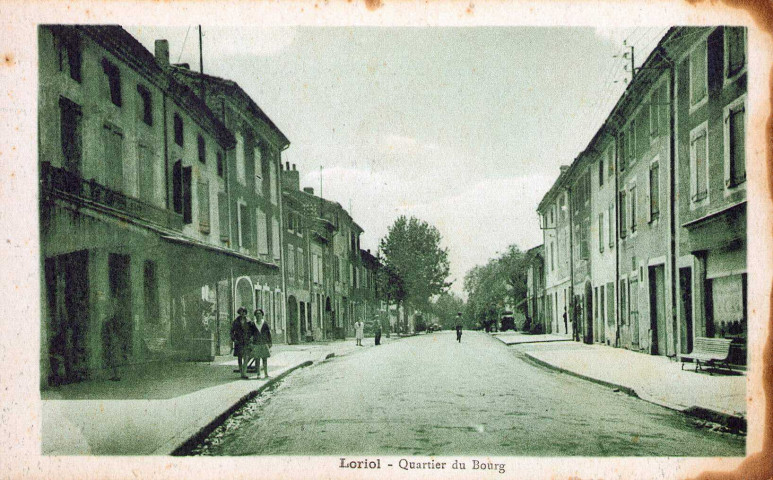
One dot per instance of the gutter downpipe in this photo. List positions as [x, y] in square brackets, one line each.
[571, 311]
[672, 195]
[617, 291]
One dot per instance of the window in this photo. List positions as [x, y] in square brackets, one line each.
[220, 166]
[735, 144]
[181, 190]
[258, 158]
[70, 54]
[337, 268]
[633, 208]
[245, 232]
[272, 181]
[301, 266]
[601, 172]
[241, 176]
[562, 206]
[610, 303]
[632, 152]
[622, 210]
[654, 113]
[262, 233]
[145, 173]
[202, 147]
[584, 233]
[146, 106]
[290, 260]
[611, 225]
[222, 213]
[275, 237]
[178, 129]
[610, 162]
[698, 75]
[113, 80]
[601, 232]
[654, 182]
[71, 135]
[622, 152]
[623, 304]
[112, 141]
[552, 256]
[735, 50]
[698, 164]
[203, 195]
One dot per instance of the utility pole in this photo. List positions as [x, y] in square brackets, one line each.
[201, 53]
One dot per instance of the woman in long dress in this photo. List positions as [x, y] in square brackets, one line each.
[261, 343]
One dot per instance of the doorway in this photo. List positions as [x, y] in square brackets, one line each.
[657, 310]
[67, 289]
[588, 314]
[685, 312]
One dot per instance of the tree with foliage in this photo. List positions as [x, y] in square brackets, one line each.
[495, 285]
[411, 251]
[445, 307]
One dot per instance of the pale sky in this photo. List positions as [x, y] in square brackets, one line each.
[462, 127]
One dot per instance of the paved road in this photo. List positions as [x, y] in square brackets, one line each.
[429, 395]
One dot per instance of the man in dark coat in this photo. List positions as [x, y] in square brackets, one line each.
[459, 327]
[377, 332]
[242, 333]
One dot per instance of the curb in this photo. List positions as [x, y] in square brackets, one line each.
[184, 448]
[622, 388]
[533, 341]
[734, 423]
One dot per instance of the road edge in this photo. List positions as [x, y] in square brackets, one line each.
[184, 443]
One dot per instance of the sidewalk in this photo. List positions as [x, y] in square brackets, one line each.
[155, 408]
[720, 397]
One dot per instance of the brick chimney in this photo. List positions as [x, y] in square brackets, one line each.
[162, 52]
[291, 178]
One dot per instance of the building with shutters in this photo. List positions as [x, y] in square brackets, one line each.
[113, 202]
[658, 204]
[158, 216]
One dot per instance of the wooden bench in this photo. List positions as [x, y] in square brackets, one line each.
[709, 352]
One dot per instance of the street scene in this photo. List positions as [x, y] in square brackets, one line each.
[393, 241]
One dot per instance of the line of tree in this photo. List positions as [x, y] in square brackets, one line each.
[415, 266]
[496, 286]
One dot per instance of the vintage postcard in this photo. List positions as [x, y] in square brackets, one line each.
[401, 240]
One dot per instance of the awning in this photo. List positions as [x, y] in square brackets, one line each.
[194, 264]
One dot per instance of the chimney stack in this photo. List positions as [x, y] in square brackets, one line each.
[293, 167]
[291, 179]
[309, 190]
[287, 166]
[162, 52]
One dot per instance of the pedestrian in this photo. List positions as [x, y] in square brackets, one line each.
[358, 332]
[459, 327]
[566, 325]
[242, 332]
[261, 343]
[377, 333]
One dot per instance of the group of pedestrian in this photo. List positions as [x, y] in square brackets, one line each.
[251, 339]
[359, 332]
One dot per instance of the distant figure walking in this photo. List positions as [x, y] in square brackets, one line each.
[359, 328]
[261, 343]
[566, 326]
[377, 333]
[459, 327]
[242, 333]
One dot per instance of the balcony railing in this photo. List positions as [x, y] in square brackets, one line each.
[54, 179]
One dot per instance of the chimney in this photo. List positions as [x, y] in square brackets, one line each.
[162, 52]
[293, 167]
[291, 179]
[309, 190]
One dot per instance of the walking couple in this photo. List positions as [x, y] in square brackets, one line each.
[252, 340]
